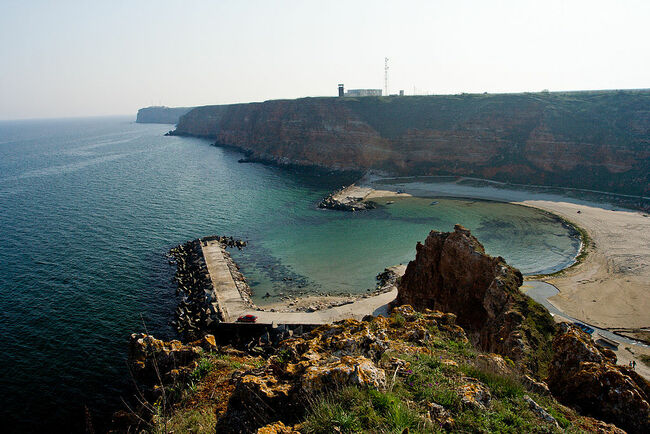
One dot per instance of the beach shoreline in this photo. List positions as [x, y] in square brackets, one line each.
[607, 286]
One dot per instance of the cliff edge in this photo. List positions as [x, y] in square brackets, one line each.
[594, 140]
[160, 114]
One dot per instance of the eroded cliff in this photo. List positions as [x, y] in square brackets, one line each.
[587, 377]
[594, 140]
[452, 273]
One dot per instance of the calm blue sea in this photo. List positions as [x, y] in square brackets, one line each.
[88, 208]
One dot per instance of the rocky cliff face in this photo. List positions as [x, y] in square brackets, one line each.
[596, 140]
[452, 273]
[587, 377]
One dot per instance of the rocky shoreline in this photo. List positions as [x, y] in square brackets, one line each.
[350, 198]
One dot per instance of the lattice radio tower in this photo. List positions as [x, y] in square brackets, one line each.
[386, 75]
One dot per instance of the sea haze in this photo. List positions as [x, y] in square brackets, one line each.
[89, 207]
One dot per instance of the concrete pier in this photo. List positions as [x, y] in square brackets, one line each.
[230, 303]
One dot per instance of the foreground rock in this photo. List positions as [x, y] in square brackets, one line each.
[452, 273]
[329, 358]
[413, 370]
[586, 377]
[154, 362]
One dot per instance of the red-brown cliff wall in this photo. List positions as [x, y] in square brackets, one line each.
[452, 273]
[589, 140]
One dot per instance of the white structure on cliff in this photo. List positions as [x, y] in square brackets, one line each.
[363, 92]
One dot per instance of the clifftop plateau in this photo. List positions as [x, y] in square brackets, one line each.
[595, 140]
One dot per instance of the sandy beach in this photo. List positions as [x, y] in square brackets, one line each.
[610, 288]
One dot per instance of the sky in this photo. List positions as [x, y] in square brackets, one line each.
[90, 58]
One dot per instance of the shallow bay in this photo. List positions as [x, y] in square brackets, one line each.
[88, 208]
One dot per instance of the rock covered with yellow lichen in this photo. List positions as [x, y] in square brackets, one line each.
[331, 357]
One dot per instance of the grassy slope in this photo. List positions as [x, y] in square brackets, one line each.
[430, 376]
[591, 117]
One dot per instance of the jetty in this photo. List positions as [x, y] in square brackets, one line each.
[229, 301]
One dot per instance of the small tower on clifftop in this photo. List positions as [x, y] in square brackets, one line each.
[386, 76]
[341, 90]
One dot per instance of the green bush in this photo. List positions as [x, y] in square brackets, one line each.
[501, 386]
[397, 320]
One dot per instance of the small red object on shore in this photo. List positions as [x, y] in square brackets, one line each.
[247, 318]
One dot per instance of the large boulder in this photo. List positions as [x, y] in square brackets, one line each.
[452, 273]
[152, 360]
[587, 378]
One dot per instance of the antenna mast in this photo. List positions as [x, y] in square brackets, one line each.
[386, 75]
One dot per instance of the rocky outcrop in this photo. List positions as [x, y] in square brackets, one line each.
[594, 140]
[350, 198]
[346, 204]
[586, 377]
[155, 362]
[413, 368]
[452, 273]
[330, 357]
[161, 114]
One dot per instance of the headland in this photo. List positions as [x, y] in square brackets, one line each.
[160, 114]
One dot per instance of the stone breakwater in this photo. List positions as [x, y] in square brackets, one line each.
[198, 310]
[214, 292]
[350, 198]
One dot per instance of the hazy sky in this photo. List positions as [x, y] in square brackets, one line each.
[76, 58]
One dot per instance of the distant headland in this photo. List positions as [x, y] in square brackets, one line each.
[161, 114]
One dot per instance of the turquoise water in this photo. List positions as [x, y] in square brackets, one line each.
[336, 252]
[88, 208]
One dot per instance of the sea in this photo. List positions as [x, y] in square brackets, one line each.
[89, 207]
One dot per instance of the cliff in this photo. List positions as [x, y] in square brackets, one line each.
[595, 140]
[161, 114]
[452, 273]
